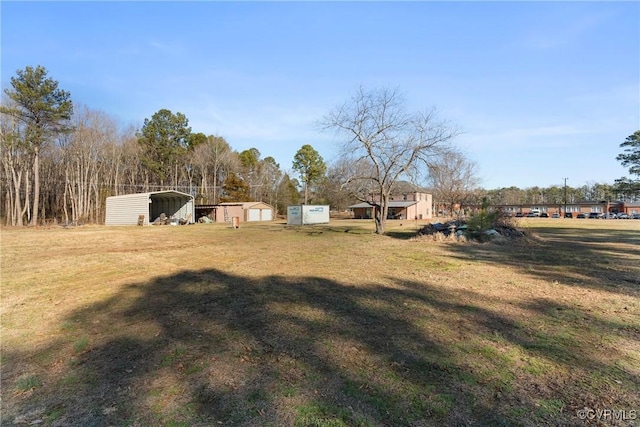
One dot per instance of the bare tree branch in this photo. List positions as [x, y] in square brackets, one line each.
[381, 134]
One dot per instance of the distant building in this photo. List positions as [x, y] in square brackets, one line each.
[401, 206]
[573, 208]
[244, 211]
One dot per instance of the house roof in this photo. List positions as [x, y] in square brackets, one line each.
[392, 204]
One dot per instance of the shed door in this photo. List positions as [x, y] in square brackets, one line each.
[254, 214]
[266, 214]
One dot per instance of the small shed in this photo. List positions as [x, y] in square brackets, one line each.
[127, 209]
[245, 211]
[307, 214]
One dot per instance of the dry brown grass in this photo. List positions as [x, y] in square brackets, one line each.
[325, 326]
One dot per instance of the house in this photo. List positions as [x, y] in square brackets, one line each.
[244, 211]
[401, 206]
[143, 208]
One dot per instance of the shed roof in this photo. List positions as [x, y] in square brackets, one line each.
[164, 194]
[248, 205]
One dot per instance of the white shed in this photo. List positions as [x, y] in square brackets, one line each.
[125, 210]
[307, 214]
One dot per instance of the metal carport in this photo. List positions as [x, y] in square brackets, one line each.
[125, 210]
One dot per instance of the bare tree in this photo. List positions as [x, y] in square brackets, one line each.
[386, 143]
[16, 160]
[116, 169]
[250, 172]
[210, 159]
[454, 179]
[271, 176]
[85, 151]
[332, 190]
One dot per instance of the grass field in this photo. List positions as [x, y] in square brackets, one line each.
[205, 325]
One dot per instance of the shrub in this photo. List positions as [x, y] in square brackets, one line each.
[479, 224]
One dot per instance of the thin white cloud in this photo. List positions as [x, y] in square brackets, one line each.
[261, 123]
[548, 37]
[498, 138]
[621, 96]
[168, 48]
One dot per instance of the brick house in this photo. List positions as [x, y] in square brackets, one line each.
[401, 206]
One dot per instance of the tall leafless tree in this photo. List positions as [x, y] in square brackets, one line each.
[392, 143]
[16, 161]
[85, 152]
[211, 159]
[454, 179]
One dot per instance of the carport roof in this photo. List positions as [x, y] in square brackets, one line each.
[168, 194]
[164, 194]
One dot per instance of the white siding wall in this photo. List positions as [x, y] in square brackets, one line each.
[315, 214]
[124, 210]
[294, 215]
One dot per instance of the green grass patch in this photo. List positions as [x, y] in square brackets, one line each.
[314, 414]
[173, 356]
[81, 345]
[54, 415]
[28, 383]
[549, 408]
[68, 326]
[537, 366]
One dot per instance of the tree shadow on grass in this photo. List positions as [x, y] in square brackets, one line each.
[210, 348]
[596, 259]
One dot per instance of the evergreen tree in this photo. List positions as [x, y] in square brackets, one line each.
[630, 187]
[311, 167]
[235, 189]
[44, 112]
[164, 140]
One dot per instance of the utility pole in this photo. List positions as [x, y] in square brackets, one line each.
[565, 197]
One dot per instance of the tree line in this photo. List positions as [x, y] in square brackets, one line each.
[60, 161]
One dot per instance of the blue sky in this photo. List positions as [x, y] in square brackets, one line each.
[542, 90]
